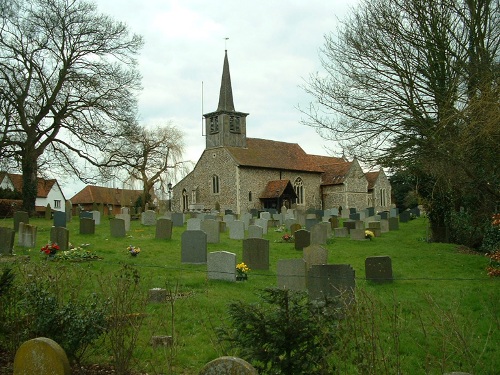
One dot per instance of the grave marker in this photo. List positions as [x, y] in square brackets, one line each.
[117, 227]
[164, 229]
[59, 219]
[291, 274]
[6, 240]
[194, 247]
[60, 236]
[41, 356]
[315, 255]
[221, 265]
[256, 253]
[212, 230]
[228, 366]
[148, 218]
[378, 269]
[20, 217]
[254, 231]
[302, 239]
[27, 235]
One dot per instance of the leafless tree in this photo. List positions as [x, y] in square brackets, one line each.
[68, 84]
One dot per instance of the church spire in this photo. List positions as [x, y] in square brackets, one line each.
[226, 92]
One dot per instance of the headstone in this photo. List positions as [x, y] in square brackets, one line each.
[178, 219]
[255, 231]
[415, 211]
[393, 223]
[125, 210]
[291, 274]
[164, 229]
[157, 295]
[236, 230]
[384, 225]
[370, 211]
[221, 265]
[357, 234]
[332, 280]
[246, 217]
[355, 216]
[60, 219]
[404, 216]
[194, 224]
[60, 236]
[334, 222]
[352, 210]
[256, 253]
[265, 215]
[319, 234]
[148, 218]
[211, 228]
[311, 221]
[228, 366]
[126, 218]
[302, 239]
[27, 235]
[6, 240]
[41, 356]
[194, 247]
[87, 225]
[68, 208]
[96, 215]
[341, 232]
[86, 214]
[374, 225]
[349, 224]
[228, 218]
[278, 218]
[394, 212]
[315, 255]
[294, 228]
[20, 217]
[378, 268]
[222, 226]
[359, 224]
[117, 227]
[262, 223]
[384, 215]
[254, 212]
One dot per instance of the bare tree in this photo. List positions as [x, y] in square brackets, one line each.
[403, 85]
[67, 86]
[150, 155]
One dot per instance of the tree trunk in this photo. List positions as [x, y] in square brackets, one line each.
[30, 181]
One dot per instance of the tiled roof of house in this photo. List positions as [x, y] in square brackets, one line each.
[372, 178]
[264, 153]
[43, 186]
[335, 173]
[99, 194]
[275, 189]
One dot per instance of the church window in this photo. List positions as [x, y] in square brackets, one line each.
[298, 185]
[249, 196]
[214, 124]
[215, 184]
[383, 199]
[234, 124]
[185, 200]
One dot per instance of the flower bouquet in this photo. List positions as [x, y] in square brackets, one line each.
[133, 250]
[50, 249]
[287, 237]
[242, 271]
[369, 235]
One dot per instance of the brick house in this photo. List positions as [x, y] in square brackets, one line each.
[111, 199]
[239, 173]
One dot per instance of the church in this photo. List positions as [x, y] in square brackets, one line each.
[240, 174]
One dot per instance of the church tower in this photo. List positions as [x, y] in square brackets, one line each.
[225, 127]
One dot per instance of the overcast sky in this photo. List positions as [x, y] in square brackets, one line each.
[273, 47]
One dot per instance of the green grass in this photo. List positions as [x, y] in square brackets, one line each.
[441, 313]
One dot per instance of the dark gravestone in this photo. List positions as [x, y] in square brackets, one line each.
[178, 219]
[212, 230]
[332, 280]
[404, 216]
[355, 216]
[6, 240]
[256, 253]
[164, 229]
[319, 234]
[370, 211]
[20, 217]
[60, 219]
[384, 215]
[393, 223]
[352, 210]
[415, 211]
[117, 227]
[302, 239]
[349, 225]
[60, 236]
[334, 222]
[315, 255]
[378, 268]
[86, 215]
[291, 274]
[310, 222]
[194, 247]
[68, 210]
[295, 227]
[87, 225]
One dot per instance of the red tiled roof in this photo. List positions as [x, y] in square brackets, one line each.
[43, 186]
[335, 173]
[275, 189]
[99, 194]
[372, 178]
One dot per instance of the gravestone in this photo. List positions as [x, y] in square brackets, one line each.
[86, 214]
[319, 234]
[254, 212]
[256, 253]
[302, 239]
[177, 219]
[228, 218]
[164, 229]
[222, 226]
[157, 295]
[394, 212]
[20, 217]
[211, 228]
[125, 210]
[315, 255]
[262, 223]
[60, 236]
[126, 218]
[278, 218]
[393, 223]
[334, 222]
[41, 356]
[378, 269]
[384, 225]
[374, 225]
[311, 221]
[415, 211]
[349, 224]
[359, 224]
[27, 235]
[87, 225]
[404, 216]
[294, 228]
[332, 280]
[370, 211]
[265, 215]
[341, 232]
[68, 209]
[355, 216]
[254, 231]
[59, 219]
[96, 215]
[194, 247]
[194, 224]
[148, 218]
[117, 227]
[384, 215]
[228, 366]
[236, 230]
[291, 274]
[221, 265]
[357, 234]
[246, 217]
[6, 240]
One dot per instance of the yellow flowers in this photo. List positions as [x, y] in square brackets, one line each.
[369, 234]
[242, 268]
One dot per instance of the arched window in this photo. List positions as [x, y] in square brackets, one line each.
[185, 200]
[298, 185]
[215, 184]
[383, 200]
[249, 196]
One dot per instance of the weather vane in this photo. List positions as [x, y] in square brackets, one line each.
[225, 43]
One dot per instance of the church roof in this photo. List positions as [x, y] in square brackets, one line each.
[277, 188]
[100, 194]
[264, 153]
[335, 173]
[226, 102]
[372, 178]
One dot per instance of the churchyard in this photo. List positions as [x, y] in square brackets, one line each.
[416, 307]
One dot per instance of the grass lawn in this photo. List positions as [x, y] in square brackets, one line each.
[440, 314]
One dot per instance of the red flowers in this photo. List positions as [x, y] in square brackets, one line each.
[50, 248]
